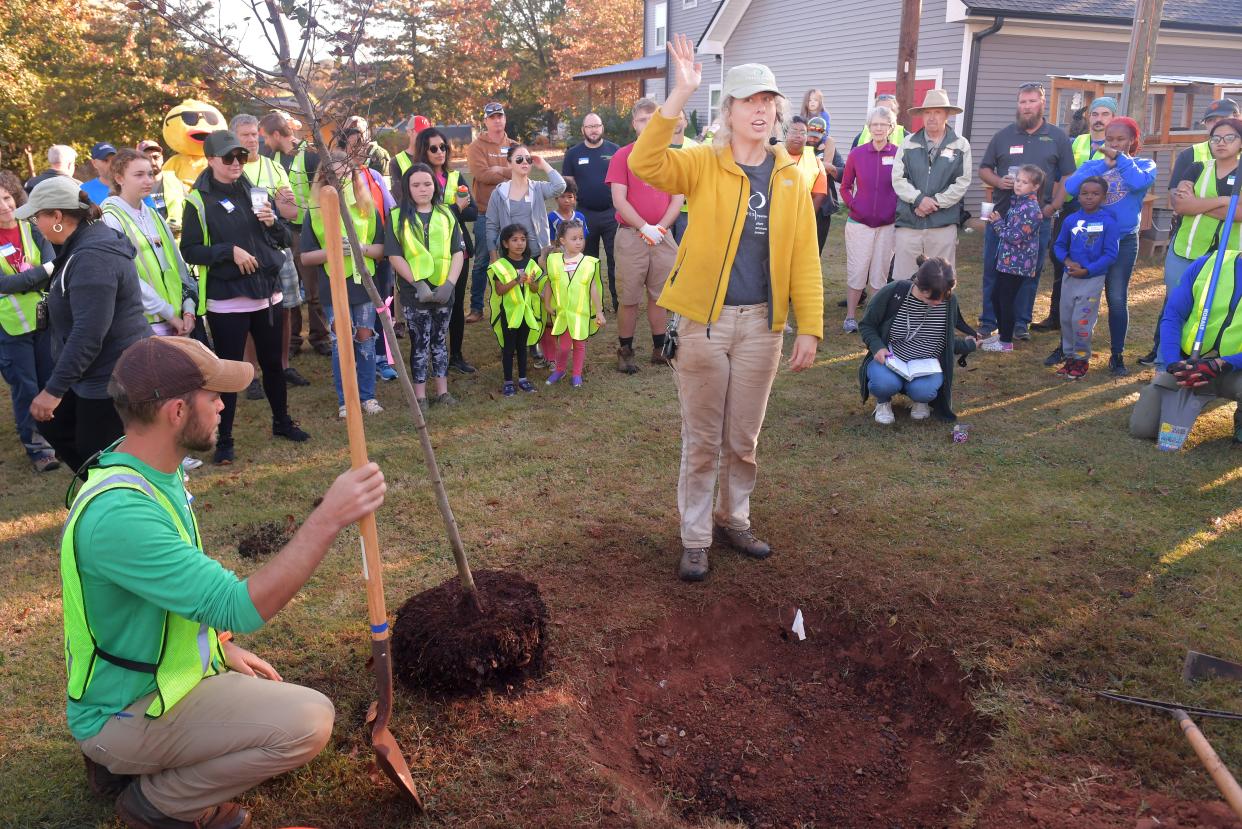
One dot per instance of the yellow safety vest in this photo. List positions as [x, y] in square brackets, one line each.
[189, 650]
[1202, 152]
[430, 259]
[451, 182]
[895, 137]
[17, 311]
[172, 193]
[364, 226]
[1219, 338]
[809, 166]
[1082, 149]
[200, 271]
[404, 162]
[522, 304]
[571, 295]
[299, 182]
[1196, 235]
[265, 173]
[166, 281]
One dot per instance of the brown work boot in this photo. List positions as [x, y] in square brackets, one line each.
[625, 360]
[103, 782]
[744, 541]
[693, 565]
[135, 811]
[658, 358]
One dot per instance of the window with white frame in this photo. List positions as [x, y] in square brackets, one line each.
[660, 27]
[713, 104]
[689, 4]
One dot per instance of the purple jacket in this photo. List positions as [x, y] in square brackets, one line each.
[867, 185]
[1018, 231]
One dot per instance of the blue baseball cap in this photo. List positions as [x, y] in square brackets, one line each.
[102, 151]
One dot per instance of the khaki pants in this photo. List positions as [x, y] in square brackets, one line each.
[1145, 416]
[934, 242]
[868, 255]
[723, 383]
[229, 734]
[642, 268]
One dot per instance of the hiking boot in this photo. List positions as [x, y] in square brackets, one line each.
[459, 365]
[136, 812]
[1057, 356]
[658, 358]
[103, 782]
[625, 360]
[255, 390]
[224, 452]
[1117, 366]
[693, 565]
[744, 541]
[1049, 323]
[288, 428]
[1148, 359]
[474, 316]
[294, 377]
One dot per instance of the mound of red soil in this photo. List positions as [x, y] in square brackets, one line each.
[260, 540]
[741, 722]
[443, 647]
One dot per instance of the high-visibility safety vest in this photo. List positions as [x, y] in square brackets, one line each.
[1201, 152]
[172, 193]
[188, 652]
[165, 281]
[809, 166]
[1219, 337]
[1196, 235]
[200, 271]
[1082, 149]
[451, 182]
[364, 226]
[571, 295]
[300, 183]
[265, 173]
[895, 137]
[404, 162]
[17, 311]
[429, 259]
[522, 304]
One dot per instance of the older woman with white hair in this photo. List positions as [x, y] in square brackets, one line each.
[748, 255]
[867, 190]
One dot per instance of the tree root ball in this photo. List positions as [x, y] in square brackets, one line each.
[442, 646]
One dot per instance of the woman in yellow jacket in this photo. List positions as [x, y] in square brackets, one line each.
[730, 300]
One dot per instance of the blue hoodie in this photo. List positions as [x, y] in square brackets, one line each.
[1090, 239]
[1128, 183]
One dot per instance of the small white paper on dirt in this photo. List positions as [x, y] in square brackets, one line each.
[798, 628]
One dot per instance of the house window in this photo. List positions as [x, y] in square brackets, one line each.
[689, 4]
[661, 25]
[713, 104]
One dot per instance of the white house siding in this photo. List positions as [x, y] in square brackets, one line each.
[691, 22]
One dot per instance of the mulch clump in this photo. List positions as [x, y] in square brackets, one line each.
[443, 647]
[264, 539]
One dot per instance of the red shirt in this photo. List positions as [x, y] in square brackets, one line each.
[650, 204]
[13, 236]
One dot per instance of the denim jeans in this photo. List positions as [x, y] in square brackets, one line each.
[478, 277]
[883, 383]
[363, 316]
[1030, 287]
[1117, 290]
[26, 363]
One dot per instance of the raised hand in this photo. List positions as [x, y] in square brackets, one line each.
[687, 72]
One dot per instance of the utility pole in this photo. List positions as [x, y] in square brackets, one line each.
[908, 58]
[1143, 39]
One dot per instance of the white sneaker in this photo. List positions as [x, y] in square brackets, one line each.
[188, 463]
[341, 413]
[372, 406]
[920, 411]
[996, 345]
[884, 413]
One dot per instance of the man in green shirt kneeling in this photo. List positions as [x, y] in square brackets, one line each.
[166, 708]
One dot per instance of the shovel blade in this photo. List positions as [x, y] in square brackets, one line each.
[388, 754]
[1202, 666]
[1178, 411]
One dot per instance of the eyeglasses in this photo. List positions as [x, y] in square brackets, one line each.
[1030, 85]
[192, 118]
[1228, 138]
[521, 159]
[235, 157]
[886, 97]
[436, 148]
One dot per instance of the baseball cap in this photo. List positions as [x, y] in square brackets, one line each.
[149, 144]
[1224, 108]
[817, 124]
[102, 150]
[220, 143]
[55, 193]
[494, 108]
[749, 79]
[422, 122]
[159, 368]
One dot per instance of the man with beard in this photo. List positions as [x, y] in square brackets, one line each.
[1029, 140]
[586, 165]
[148, 614]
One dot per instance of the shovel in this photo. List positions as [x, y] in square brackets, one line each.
[387, 753]
[1179, 409]
[1202, 666]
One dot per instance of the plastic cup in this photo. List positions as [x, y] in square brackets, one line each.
[258, 197]
[1013, 172]
[985, 210]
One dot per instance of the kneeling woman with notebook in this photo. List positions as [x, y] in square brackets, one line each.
[908, 330]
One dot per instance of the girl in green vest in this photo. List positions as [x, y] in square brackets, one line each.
[424, 244]
[573, 296]
[516, 304]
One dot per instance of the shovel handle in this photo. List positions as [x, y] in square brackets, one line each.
[342, 323]
[1221, 776]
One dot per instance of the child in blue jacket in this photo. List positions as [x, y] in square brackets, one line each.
[1088, 245]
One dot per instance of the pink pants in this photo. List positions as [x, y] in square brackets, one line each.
[547, 343]
[566, 343]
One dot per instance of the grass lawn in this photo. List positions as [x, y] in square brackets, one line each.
[1049, 554]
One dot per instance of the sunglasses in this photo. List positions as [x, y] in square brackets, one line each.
[521, 159]
[1030, 85]
[190, 119]
[436, 148]
[235, 157]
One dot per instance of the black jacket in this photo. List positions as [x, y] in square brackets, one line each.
[226, 229]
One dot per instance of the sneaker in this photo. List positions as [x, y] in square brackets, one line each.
[996, 345]
[47, 462]
[1117, 366]
[1022, 334]
[387, 373]
[1057, 356]
[445, 399]
[372, 406]
[625, 360]
[341, 412]
[323, 349]
[554, 376]
[289, 429]
[850, 325]
[224, 453]
[1049, 323]
[693, 565]
[103, 782]
[525, 385]
[920, 411]
[508, 389]
[459, 365]
[189, 463]
[884, 413]
[1078, 370]
[294, 377]
[576, 381]
[539, 362]
[474, 316]
[255, 390]
[1148, 359]
[135, 811]
[744, 541]
[1066, 369]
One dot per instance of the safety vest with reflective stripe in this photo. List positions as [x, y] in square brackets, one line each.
[895, 137]
[571, 295]
[188, 650]
[429, 259]
[17, 311]
[522, 304]
[172, 193]
[451, 183]
[166, 281]
[299, 182]
[404, 162]
[1083, 150]
[200, 271]
[265, 173]
[364, 226]
[809, 166]
[1196, 235]
[1202, 152]
[1223, 334]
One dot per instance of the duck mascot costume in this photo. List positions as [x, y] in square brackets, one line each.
[186, 126]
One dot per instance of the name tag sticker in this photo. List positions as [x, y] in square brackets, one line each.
[227, 205]
[1016, 149]
[582, 161]
[1095, 228]
[7, 249]
[1229, 181]
[887, 162]
[947, 154]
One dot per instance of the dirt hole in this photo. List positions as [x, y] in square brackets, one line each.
[264, 539]
[726, 711]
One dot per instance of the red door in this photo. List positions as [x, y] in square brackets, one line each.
[920, 89]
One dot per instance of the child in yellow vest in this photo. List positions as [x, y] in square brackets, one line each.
[516, 305]
[574, 298]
